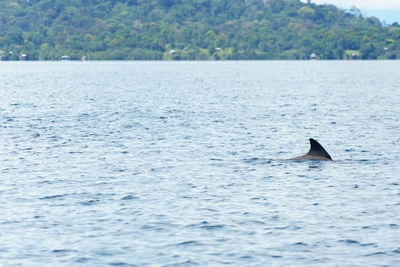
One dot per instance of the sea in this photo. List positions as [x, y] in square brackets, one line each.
[140, 163]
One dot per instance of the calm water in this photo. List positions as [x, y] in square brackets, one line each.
[183, 163]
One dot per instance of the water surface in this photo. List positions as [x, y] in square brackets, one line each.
[183, 163]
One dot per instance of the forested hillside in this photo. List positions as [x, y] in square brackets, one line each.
[190, 29]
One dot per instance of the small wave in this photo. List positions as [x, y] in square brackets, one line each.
[82, 260]
[121, 264]
[207, 209]
[257, 222]
[64, 251]
[188, 243]
[246, 257]
[289, 227]
[300, 244]
[369, 245]
[212, 227]
[349, 241]
[275, 256]
[379, 253]
[129, 197]
[261, 161]
[206, 225]
[184, 263]
[89, 202]
[251, 160]
[53, 197]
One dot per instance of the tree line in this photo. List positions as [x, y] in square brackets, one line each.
[191, 30]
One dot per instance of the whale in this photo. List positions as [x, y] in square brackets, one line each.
[316, 152]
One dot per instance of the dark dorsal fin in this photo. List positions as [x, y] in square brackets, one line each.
[317, 150]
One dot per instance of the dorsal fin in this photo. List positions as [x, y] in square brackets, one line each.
[317, 150]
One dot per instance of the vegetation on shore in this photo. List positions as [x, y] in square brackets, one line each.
[191, 30]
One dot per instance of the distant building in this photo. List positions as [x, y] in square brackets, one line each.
[65, 58]
[5, 56]
[23, 57]
[352, 54]
[313, 56]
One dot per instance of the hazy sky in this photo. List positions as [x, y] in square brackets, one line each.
[385, 10]
[367, 4]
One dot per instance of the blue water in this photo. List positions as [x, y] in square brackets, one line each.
[183, 163]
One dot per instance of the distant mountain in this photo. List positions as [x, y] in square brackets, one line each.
[190, 30]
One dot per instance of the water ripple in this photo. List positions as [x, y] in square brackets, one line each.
[184, 163]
